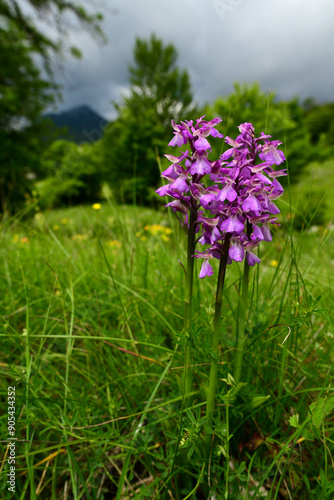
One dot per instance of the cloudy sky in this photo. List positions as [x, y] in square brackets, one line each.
[285, 45]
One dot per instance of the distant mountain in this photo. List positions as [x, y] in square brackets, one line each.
[82, 124]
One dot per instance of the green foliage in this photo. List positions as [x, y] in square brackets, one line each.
[310, 210]
[320, 409]
[94, 355]
[157, 83]
[248, 103]
[320, 122]
[35, 39]
[25, 93]
[287, 121]
[74, 174]
[313, 197]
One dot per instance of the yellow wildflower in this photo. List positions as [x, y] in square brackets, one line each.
[274, 263]
[79, 237]
[96, 206]
[157, 228]
[115, 243]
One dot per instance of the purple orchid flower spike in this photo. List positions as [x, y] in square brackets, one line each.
[243, 209]
[187, 170]
[190, 198]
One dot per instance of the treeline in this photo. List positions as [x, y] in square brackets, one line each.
[37, 169]
[130, 152]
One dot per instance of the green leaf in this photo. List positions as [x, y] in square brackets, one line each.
[307, 483]
[320, 409]
[307, 434]
[171, 435]
[222, 450]
[190, 416]
[170, 443]
[257, 401]
[317, 412]
[329, 405]
[294, 420]
[241, 468]
[76, 52]
[191, 451]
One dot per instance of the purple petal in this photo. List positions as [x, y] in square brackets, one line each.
[180, 185]
[170, 173]
[251, 203]
[214, 122]
[262, 178]
[257, 233]
[232, 142]
[206, 199]
[266, 232]
[215, 235]
[215, 133]
[202, 144]
[252, 259]
[272, 155]
[260, 167]
[237, 252]
[231, 193]
[232, 224]
[228, 192]
[273, 209]
[176, 159]
[177, 206]
[277, 191]
[200, 166]
[225, 156]
[206, 269]
[178, 140]
[164, 190]
[278, 173]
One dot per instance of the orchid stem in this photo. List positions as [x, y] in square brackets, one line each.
[188, 301]
[243, 306]
[210, 408]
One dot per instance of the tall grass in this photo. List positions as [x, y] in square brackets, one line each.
[92, 337]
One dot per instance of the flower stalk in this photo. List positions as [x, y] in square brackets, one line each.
[229, 202]
[211, 396]
[188, 302]
[243, 312]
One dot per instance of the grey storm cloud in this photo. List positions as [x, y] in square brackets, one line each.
[285, 45]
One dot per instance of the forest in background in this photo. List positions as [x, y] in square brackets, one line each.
[39, 169]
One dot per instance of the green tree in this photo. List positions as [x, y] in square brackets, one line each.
[19, 24]
[74, 174]
[159, 91]
[25, 93]
[286, 121]
[248, 103]
[320, 122]
[157, 83]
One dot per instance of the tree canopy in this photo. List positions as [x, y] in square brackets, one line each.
[25, 92]
[159, 90]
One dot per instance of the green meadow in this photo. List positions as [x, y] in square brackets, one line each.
[92, 341]
[120, 377]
